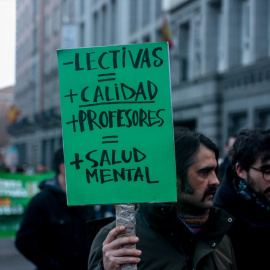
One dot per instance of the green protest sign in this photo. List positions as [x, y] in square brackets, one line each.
[16, 190]
[117, 124]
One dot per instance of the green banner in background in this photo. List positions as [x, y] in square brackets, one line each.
[16, 190]
[117, 124]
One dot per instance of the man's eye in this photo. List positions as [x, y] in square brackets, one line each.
[267, 172]
[205, 172]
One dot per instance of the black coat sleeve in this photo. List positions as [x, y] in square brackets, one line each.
[95, 257]
[32, 231]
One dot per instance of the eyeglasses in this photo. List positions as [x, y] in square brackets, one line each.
[265, 173]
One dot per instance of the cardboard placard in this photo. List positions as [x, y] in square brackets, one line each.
[117, 124]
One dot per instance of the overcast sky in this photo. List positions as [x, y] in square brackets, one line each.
[7, 42]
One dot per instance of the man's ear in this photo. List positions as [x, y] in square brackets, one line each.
[240, 171]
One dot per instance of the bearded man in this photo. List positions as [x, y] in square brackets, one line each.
[187, 235]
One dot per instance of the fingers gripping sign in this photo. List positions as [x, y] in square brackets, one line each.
[114, 255]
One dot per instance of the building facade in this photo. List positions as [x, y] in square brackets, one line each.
[6, 101]
[220, 65]
[43, 26]
[37, 133]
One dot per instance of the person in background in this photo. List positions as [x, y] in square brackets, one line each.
[228, 158]
[41, 168]
[53, 235]
[3, 166]
[190, 234]
[245, 194]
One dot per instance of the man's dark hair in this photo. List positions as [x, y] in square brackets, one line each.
[251, 144]
[58, 159]
[187, 144]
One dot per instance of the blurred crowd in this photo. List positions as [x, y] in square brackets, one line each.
[24, 168]
[221, 215]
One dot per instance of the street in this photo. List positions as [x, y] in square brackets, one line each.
[10, 258]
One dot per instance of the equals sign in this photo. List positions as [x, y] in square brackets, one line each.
[110, 139]
[105, 75]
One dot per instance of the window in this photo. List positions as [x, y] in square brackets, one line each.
[133, 15]
[146, 39]
[54, 58]
[65, 10]
[215, 40]
[71, 10]
[189, 124]
[34, 7]
[22, 153]
[245, 23]
[184, 51]
[262, 118]
[96, 29]
[237, 121]
[34, 73]
[34, 40]
[44, 152]
[146, 12]
[113, 22]
[158, 35]
[52, 146]
[82, 7]
[158, 8]
[47, 27]
[104, 28]
[56, 20]
[245, 32]
[82, 34]
[47, 63]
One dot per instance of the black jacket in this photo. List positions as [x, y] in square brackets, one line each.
[167, 244]
[53, 235]
[223, 167]
[250, 233]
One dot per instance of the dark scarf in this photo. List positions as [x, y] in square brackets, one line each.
[247, 194]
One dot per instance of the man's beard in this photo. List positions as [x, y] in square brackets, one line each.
[187, 188]
[261, 197]
[210, 191]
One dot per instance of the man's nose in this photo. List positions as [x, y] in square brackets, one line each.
[214, 180]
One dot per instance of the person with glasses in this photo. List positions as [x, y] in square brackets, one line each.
[245, 194]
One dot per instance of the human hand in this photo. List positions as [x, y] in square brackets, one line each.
[113, 255]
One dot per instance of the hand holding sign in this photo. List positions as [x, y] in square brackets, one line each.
[113, 256]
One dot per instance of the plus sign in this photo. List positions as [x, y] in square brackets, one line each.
[77, 161]
[71, 95]
[73, 122]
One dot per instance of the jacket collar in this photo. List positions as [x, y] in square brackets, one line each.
[52, 185]
[163, 217]
[238, 204]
